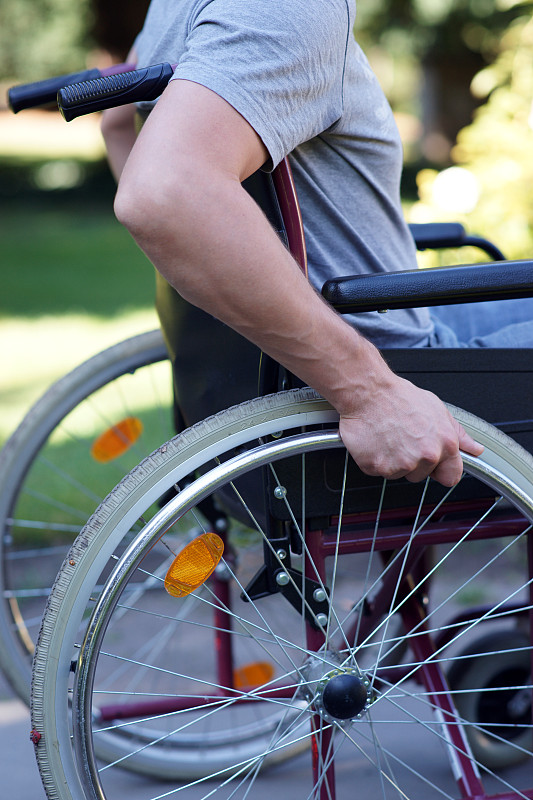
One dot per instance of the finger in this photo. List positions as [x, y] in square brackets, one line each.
[466, 443]
[450, 471]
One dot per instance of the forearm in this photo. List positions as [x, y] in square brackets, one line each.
[118, 131]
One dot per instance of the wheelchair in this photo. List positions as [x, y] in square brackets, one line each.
[247, 612]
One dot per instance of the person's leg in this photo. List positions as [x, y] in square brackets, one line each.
[503, 323]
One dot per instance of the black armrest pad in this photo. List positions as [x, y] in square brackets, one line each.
[439, 235]
[433, 235]
[430, 287]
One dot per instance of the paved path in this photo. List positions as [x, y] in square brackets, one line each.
[19, 776]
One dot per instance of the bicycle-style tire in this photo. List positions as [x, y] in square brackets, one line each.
[82, 604]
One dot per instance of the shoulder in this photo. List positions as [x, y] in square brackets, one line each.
[280, 63]
[303, 35]
[307, 18]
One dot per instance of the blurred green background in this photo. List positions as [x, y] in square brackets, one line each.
[458, 73]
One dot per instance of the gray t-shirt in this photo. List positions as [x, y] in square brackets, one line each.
[293, 70]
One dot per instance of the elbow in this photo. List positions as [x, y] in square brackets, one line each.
[155, 213]
[156, 218]
[135, 207]
[126, 205]
[156, 206]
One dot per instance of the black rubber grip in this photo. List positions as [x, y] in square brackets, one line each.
[44, 93]
[430, 287]
[113, 90]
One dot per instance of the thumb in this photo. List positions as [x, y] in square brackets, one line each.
[466, 443]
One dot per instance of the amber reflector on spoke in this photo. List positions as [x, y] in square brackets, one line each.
[252, 675]
[194, 564]
[116, 439]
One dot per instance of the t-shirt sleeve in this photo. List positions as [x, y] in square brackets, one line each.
[280, 65]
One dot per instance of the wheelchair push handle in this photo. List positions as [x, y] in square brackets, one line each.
[44, 93]
[108, 91]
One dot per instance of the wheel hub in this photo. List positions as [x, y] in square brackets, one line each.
[344, 696]
[341, 695]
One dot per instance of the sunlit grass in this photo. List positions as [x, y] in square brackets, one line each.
[72, 283]
[69, 256]
[66, 481]
[35, 352]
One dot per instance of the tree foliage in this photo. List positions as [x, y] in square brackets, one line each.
[445, 43]
[429, 28]
[39, 38]
[497, 148]
[455, 45]
[493, 155]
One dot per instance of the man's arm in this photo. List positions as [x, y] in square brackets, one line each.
[118, 129]
[181, 197]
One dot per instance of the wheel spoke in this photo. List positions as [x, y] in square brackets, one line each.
[221, 694]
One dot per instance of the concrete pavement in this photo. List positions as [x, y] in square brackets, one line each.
[19, 776]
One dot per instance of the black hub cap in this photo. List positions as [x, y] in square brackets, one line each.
[344, 696]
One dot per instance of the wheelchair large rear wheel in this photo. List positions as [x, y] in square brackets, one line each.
[52, 477]
[312, 661]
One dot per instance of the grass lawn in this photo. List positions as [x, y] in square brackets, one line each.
[73, 282]
[77, 259]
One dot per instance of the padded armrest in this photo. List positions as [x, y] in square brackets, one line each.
[430, 287]
[439, 235]
[434, 235]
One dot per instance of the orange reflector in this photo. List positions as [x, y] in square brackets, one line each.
[253, 675]
[194, 564]
[116, 440]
